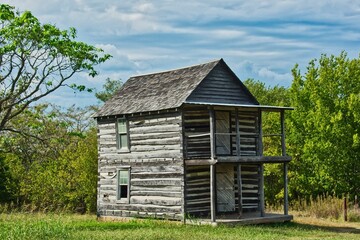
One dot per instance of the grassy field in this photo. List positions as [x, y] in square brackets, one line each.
[54, 226]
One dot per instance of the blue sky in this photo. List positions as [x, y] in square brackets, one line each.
[258, 39]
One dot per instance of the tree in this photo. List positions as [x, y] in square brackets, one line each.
[54, 169]
[110, 87]
[325, 127]
[35, 60]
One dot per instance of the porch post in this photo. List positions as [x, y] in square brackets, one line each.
[212, 193]
[237, 131]
[261, 190]
[283, 150]
[212, 166]
[261, 167]
[286, 204]
[239, 183]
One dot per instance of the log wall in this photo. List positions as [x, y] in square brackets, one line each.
[197, 190]
[156, 167]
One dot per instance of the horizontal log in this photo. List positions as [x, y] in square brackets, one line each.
[156, 129]
[155, 200]
[154, 136]
[200, 162]
[156, 192]
[156, 182]
[156, 188]
[156, 169]
[151, 175]
[158, 141]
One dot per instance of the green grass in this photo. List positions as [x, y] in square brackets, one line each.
[54, 226]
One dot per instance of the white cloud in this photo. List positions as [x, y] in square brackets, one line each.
[264, 38]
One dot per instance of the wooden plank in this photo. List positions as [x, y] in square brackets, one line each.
[261, 191]
[286, 201]
[212, 133]
[239, 185]
[199, 162]
[212, 193]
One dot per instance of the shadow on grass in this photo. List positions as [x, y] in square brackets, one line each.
[309, 227]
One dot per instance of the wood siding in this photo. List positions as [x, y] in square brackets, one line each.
[196, 121]
[156, 167]
[250, 188]
[196, 132]
[221, 86]
[248, 130]
[197, 190]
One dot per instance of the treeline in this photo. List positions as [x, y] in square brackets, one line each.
[323, 132]
[51, 161]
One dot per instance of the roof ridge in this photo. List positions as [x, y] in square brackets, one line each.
[175, 69]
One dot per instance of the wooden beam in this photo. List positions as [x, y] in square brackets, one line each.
[212, 133]
[261, 191]
[260, 144]
[251, 159]
[200, 162]
[237, 132]
[239, 183]
[212, 193]
[286, 201]
[282, 121]
[283, 151]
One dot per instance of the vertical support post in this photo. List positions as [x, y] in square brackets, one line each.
[239, 183]
[237, 132]
[212, 167]
[261, 167]
[212, 133]
[260, 144]
[286, 200]
[212, 193]
[261, 191]
[282, 121]
[283, 153]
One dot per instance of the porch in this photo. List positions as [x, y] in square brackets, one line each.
[224, 164]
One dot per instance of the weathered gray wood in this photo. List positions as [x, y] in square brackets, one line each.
[239, 187]
[286, 201]
[212, 193]
[261, 191]
[260, 139]
[252, 159]
[199, 162]
[212, 133]
[282, 122]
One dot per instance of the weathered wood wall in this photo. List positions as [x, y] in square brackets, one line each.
[249, 132]
[197, 128]
[220, 86]
[156, 162]
[250, 188]
[196, 132]
[197, 190]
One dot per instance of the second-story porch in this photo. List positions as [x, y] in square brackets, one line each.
[224, 133]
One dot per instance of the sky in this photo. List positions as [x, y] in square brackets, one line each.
[257, 39]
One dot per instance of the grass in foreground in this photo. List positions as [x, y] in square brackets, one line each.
[51, 226]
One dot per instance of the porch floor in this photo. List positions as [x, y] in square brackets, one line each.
[245, 218]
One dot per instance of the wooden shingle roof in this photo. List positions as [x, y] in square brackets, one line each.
[165, 90]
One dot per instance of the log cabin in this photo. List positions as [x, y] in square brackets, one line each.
[186, 144]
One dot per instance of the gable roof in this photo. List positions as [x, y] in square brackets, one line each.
[163, 90]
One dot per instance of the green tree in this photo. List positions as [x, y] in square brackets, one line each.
[325, 127]
[109, 89]
[35, 60]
